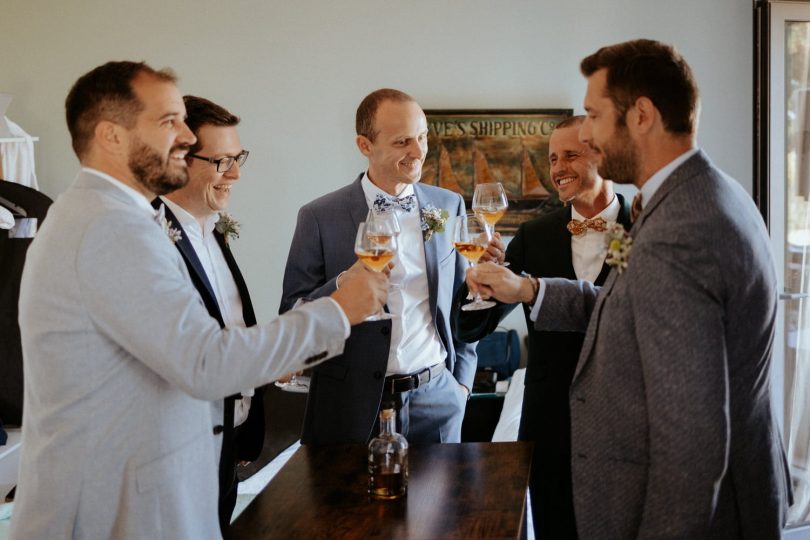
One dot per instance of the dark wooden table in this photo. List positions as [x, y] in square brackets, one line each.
[468, 490]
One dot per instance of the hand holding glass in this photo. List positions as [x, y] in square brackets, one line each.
[470, 238]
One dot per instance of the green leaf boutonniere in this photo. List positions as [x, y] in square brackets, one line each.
[433, 220]
[228, 227]
[619, 243]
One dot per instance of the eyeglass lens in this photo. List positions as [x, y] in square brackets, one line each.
[225, 164]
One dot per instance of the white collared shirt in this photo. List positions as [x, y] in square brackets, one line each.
[415, 344]
[219, 276]
[647, 191]
[588, 249]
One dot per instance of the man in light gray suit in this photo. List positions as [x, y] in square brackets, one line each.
[673, 435]
[120, 354]
[412, 359]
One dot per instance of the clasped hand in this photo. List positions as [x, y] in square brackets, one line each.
[491, 280]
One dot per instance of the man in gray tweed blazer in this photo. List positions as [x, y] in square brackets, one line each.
[673, 435]
[120, 354]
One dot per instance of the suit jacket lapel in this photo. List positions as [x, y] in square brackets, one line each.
[357, 205]
[193, 264]
[431, 256]
[248, 314]
[624, 221]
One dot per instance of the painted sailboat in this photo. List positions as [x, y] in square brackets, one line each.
[482, 174]
[447, 178]
[531, 185]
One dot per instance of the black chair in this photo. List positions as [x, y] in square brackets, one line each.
[23, 202]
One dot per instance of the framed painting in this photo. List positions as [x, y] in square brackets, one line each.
[470, 147]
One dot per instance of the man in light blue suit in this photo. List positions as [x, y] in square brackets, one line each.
[121, 357]
[412, 359]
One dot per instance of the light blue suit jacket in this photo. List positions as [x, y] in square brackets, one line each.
[345, 393]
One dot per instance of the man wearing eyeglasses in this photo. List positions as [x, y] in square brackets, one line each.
[203, 233]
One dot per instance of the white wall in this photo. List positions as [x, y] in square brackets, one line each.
[295, 71]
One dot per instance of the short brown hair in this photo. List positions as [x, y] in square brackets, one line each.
[364, 120]
[571, 121]
[106, 93]
[647, 68]
[203, 112]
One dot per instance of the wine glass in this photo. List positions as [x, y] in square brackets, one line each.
[294, 382]
[471, 236]
[375, 245]
[490, 203]
[384, 221]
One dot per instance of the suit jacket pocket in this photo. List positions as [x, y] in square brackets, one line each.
[172, 466]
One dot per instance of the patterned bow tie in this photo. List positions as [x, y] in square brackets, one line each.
[385, 203]
[578, 228]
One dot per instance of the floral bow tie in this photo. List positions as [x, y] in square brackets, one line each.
[578, 228]
[385, 203]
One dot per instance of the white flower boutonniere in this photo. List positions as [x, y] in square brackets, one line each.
[619, 243]
[174, 234]
[433, 220]
[228, 227]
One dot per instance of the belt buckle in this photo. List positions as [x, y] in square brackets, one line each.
[395, 380]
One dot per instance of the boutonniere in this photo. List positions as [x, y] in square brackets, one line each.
[174, 234]
[228, 227]
[619, 243]
[433, 220]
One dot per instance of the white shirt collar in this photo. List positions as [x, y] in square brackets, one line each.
[609, 213]
[371, 190]
[187, 220]
[651, 186]
[138, 197]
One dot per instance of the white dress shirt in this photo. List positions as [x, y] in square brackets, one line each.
[588, 249]
[219, 275]
[415, 344]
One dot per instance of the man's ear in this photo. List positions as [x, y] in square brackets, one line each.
[643, 115]
[111, 137]
[363, 144]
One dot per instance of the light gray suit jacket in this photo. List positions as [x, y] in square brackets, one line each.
[120, 358]
[673, 435]
[345, 395]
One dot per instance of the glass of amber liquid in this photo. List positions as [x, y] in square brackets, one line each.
[490, 203]
[471, 235]
[375, 245]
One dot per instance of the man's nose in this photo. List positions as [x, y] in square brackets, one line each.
[186, 136]
[235, 172]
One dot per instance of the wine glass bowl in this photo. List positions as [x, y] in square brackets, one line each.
[375, 246]
[471, 235]
[490, 202]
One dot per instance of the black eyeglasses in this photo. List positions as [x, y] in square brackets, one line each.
[224, 164]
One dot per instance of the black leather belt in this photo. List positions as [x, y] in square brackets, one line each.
[395, 384]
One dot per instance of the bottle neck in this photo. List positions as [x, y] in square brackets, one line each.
[387, 424]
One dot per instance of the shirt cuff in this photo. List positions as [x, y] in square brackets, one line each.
[541, 291]
[347, 327]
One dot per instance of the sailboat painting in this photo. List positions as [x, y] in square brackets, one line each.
[470, 147]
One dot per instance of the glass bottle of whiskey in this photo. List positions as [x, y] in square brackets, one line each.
[388, 460]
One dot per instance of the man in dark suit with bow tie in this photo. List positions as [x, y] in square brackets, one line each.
[568, 242]
[412, 359]
[202, 231]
